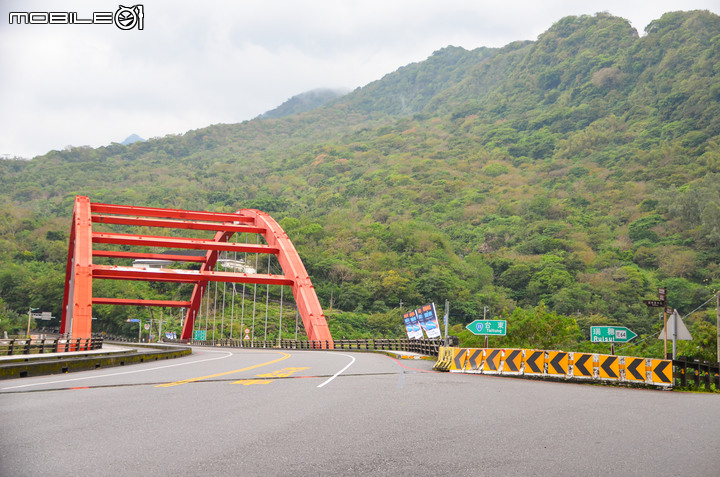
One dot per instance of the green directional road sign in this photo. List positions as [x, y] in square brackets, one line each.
[610, 334]
[487, 327]
[200, 335]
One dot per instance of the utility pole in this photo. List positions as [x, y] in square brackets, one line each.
[661, 302]
[30, 310]
[662, 295]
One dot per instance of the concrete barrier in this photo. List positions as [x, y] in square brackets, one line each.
[58, 363]
[557, 365]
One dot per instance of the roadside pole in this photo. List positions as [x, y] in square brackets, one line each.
[661, 302]
[30, 310]
[665, 328]
[662, 295]
[485, 309]
[447, 318]
[718, 326]
[675, 330]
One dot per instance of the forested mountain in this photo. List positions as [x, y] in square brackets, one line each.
[565, 178]
[303, 102]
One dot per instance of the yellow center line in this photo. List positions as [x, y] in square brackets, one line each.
[280, 373]
[192, 380]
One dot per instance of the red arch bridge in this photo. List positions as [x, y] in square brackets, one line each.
[116, 248]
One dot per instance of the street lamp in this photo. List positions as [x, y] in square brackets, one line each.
[30, 310]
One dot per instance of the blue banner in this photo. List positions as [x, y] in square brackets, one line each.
[427, 316]
[412, 325]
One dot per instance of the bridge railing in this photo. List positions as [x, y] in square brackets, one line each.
[15, 346]
[694, 374]
[429, 347]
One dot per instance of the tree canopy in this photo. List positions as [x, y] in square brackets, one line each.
[578, 172]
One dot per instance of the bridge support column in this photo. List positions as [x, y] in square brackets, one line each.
[77, 300]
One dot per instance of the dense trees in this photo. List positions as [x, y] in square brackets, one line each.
[561, 180]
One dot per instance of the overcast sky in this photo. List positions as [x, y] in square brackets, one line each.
[225, 61]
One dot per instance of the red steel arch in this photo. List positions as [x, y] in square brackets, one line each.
[80, 270]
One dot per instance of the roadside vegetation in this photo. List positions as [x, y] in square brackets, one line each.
[558, 182]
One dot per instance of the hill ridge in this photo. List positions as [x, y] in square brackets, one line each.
[579, 171]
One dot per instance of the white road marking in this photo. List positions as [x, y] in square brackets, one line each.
[339, 372]
[226, 355]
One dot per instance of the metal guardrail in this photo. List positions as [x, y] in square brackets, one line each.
[688, 373]
[27, 365]
[429, 347]
[693, 374]
[15, 346]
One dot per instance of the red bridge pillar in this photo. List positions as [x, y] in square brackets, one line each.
[77, 299]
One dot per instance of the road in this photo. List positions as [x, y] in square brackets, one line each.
[271, 412]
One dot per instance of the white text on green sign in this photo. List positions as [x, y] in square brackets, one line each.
[487, 327]
[610, 334]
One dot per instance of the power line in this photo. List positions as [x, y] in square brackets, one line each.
[682, 318]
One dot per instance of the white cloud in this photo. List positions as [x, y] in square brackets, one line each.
[197, 64]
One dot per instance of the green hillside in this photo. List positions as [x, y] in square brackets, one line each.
[303, 102]
[558, 182]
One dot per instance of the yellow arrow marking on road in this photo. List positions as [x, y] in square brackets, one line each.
[280, 373]
[192, 380]
[248, 382]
